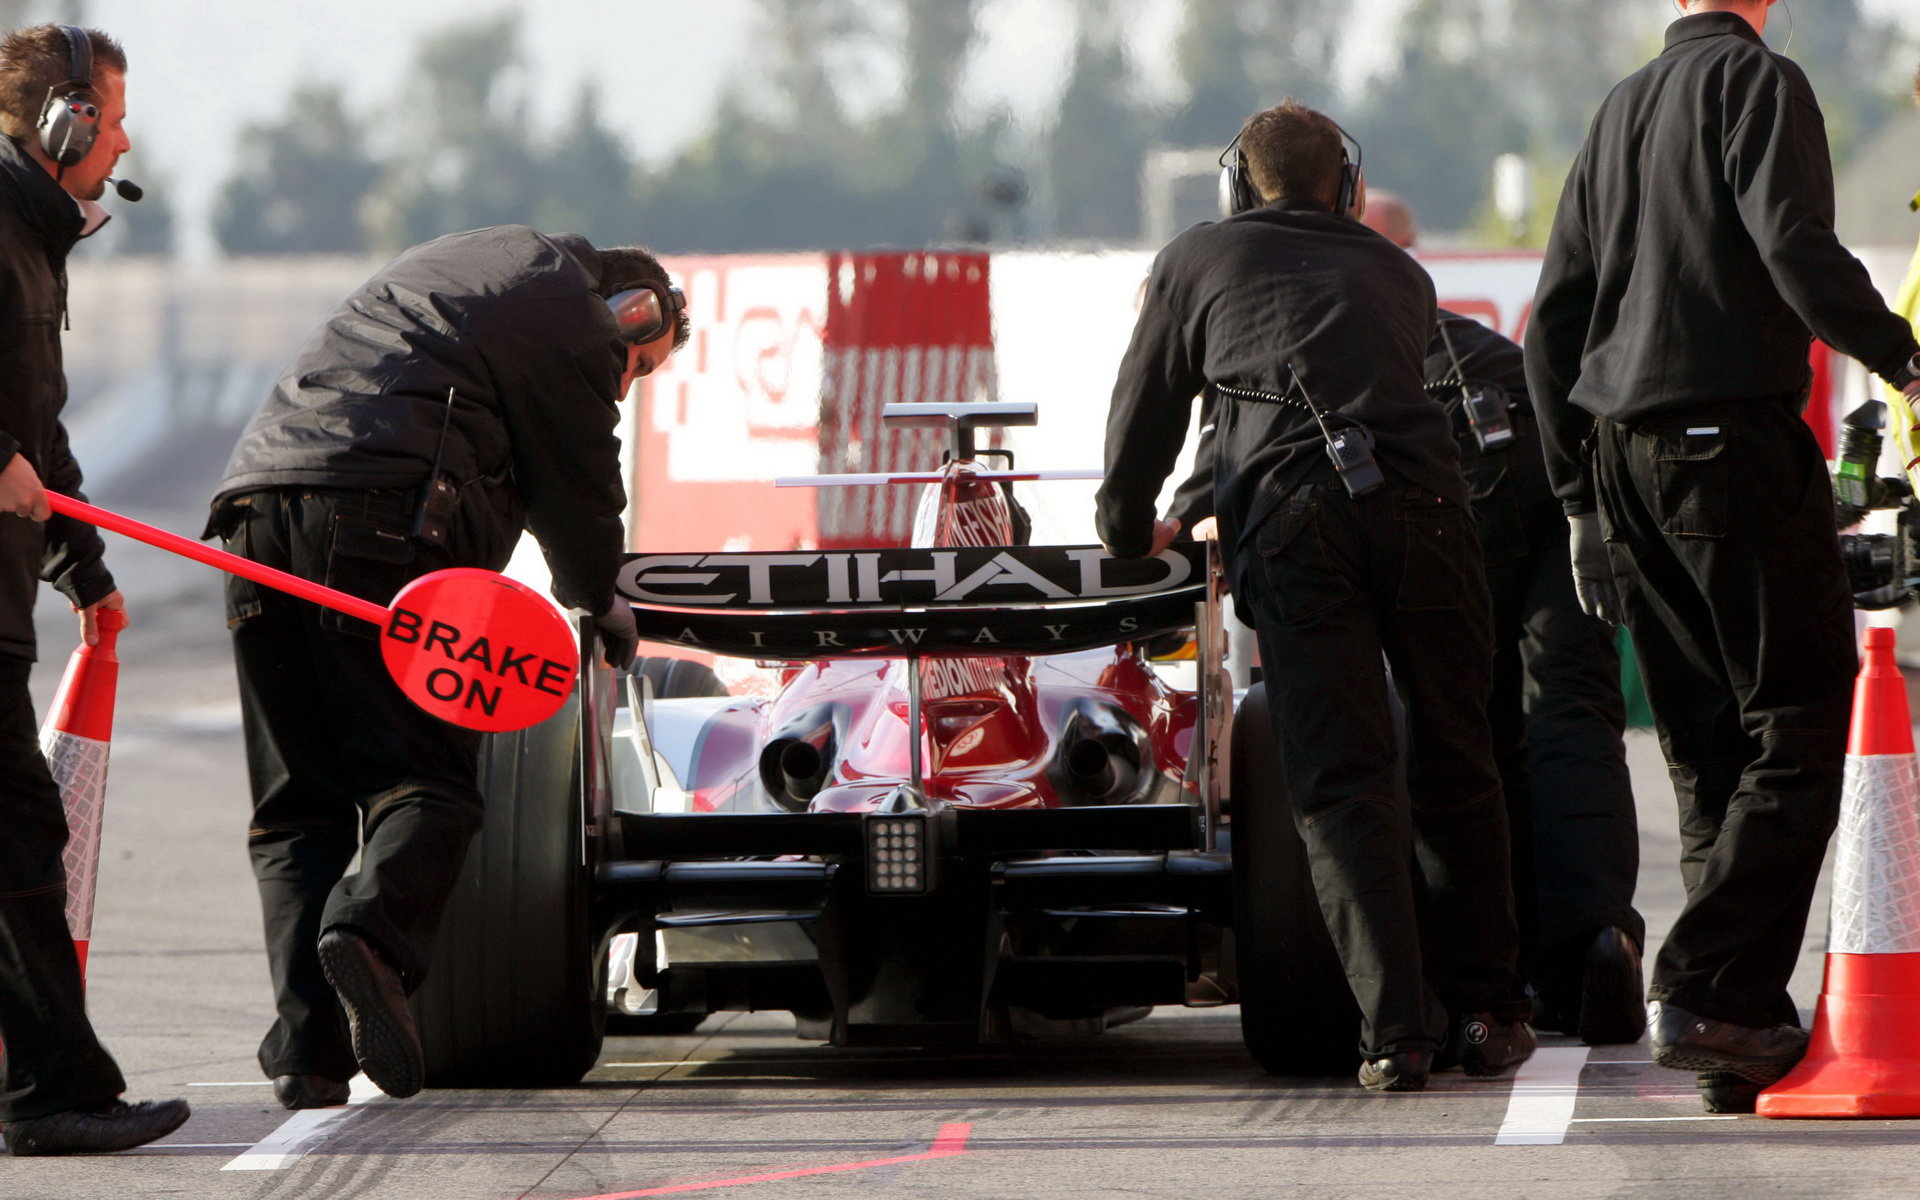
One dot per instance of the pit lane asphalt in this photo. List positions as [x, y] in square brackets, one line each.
[1166, 1107]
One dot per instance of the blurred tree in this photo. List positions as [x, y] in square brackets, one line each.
[1092, 152]
[1236, 57]
[464, 157]
[1432, 125]
[780, 176]
[301, 183]
[590, 179]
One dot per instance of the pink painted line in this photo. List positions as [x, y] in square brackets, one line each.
[951, 1141]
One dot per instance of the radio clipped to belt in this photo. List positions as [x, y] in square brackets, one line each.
[1349, 445]
[434, 509]
[1485, 407]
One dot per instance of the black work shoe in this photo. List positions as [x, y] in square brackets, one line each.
[1612, 991]
[1688, 1041]
[1401, 1071]
[1485, 1046]
[115, 1125]
[1725, 1092]
[308, 1091]
[384, 1041]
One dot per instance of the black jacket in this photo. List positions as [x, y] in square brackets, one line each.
[1693, 249]
[512, 322]
[1235, 303]
[39, 223]
[1462, 352]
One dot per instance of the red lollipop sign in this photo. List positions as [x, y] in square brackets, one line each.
[469, 646]
[479, 649]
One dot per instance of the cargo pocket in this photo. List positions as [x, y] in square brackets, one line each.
[367, 560]
[1299, 572]
[1690, 479]
[1442, 558]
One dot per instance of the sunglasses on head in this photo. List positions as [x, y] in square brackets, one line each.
[646, 311]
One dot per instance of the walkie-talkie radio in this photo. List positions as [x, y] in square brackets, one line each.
[433, 511]
[1485, 407]
[1350, 446]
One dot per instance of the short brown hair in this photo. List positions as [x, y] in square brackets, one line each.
[622, 267]
[1292, 151]
[34, 61]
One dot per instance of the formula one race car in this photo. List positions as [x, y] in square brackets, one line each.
[972, 811]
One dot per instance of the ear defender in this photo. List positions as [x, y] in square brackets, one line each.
[1236, 183]
[70, 117]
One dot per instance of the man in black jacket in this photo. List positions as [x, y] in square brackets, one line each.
[463, 393]
[62, 104]
[1292, 304]
[1692, 252]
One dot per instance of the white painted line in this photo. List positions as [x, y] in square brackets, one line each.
[199, 1145]
[302, 1131]
[1635, 1120]
[236, 1083]
[1544, 1091]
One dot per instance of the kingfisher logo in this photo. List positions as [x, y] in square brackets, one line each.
[975, 576]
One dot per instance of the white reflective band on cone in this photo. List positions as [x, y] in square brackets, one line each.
[79, 767]
[1876, 865]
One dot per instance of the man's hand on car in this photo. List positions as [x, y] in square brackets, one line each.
[619, 635]
[21, 492]
[1593, 568]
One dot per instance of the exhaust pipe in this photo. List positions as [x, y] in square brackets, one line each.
[1100, 757]
[799, 759]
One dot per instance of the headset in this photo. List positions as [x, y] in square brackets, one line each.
[1236, 182]
[70, 118]
[646, 310]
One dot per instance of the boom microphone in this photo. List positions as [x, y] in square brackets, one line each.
[128, 189]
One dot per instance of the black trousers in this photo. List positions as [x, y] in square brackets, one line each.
[339, 760]
[1720, 522]
[1558, 717]
[1414, 888]
[52, 1060]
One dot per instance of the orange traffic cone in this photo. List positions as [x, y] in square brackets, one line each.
[1864, 1057]
[74, 739]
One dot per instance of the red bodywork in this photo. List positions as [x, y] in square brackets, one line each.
[1094, 727]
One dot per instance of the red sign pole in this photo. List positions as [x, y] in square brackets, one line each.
[469, 646]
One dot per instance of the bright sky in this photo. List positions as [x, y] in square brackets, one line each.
[203, 69]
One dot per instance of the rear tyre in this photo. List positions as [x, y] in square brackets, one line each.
[1297, 1015]
[516, 996]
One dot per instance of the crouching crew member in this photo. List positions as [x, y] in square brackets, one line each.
[1692, 252]
[464, 392]
[1308, 331]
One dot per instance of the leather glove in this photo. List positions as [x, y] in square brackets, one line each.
[619, 636]
[1593, 569]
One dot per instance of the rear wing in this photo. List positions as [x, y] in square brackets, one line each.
[947, 601]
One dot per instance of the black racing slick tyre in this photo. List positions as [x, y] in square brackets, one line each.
[515, 995]
[1297, 1015]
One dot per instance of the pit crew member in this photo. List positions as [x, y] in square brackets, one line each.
[63, 109]
[1293, 317]
[1691, 253]
[464, 392]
